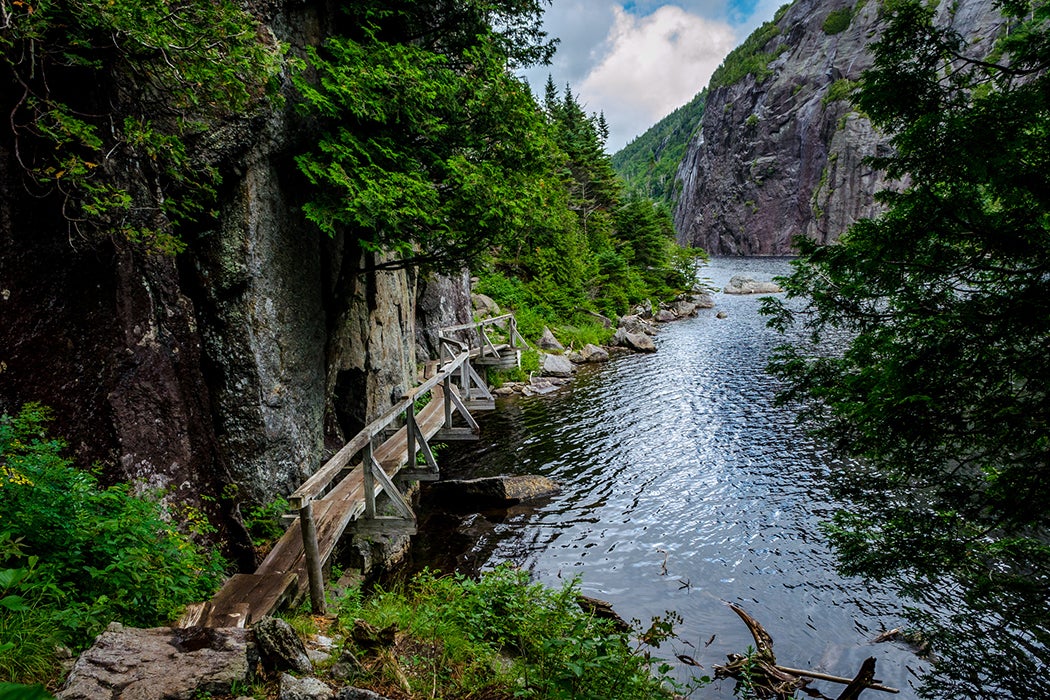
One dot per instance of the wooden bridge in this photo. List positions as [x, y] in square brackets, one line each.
[341, 495]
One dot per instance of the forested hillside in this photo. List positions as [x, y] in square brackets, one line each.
[648, 164]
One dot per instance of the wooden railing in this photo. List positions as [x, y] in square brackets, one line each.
[471, 389]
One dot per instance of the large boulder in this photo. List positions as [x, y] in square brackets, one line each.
[162, 663]
[556, 366]
[703, 301]
[547, 341]
[493, 491]
[683, 307]
[740, 284]
[634, 341]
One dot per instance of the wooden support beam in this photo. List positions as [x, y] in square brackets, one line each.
[313, 558]
[461, 407]
[369, 481]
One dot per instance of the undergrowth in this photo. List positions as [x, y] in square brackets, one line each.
[75, 556]
[501, 637]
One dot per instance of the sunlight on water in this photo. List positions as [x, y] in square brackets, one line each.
[684, 486]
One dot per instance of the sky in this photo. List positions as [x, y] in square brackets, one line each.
[639, 61]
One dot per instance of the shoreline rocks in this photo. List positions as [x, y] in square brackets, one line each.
[740, 284]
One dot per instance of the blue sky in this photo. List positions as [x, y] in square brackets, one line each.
[638, 61]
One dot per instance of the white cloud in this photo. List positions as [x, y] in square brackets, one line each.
[652, 65]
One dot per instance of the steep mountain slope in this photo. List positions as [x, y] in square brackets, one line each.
[780, 152]
[648, 163]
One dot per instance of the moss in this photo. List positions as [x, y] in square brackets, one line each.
[838, 21]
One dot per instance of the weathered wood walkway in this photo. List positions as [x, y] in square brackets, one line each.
[341, 495]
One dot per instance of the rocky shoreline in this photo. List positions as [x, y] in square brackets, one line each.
[634, 333]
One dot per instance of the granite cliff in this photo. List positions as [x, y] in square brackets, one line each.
[780, 151]
[230, 370]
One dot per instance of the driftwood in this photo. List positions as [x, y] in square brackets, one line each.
[770, 681]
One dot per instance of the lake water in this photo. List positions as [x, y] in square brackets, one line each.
[684, 487]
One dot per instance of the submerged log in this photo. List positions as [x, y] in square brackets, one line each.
[769, 681]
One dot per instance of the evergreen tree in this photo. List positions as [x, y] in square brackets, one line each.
[941, 389]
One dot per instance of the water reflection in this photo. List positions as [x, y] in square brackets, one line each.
[684, 486]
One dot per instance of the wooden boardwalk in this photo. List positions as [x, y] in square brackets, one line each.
[342, 494]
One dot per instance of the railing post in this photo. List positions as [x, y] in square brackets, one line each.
[513, 332]
[448, 401]
[464, 378]
[369, 481]
[410, 432]
[313, 557]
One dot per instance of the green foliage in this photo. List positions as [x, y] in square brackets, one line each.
[461, 630]
[648, 164]
[85, 555]
[748, 59]
[838, 20]
[935, 373]
[841, 89]
[431, 150]
[104, 96]
[14, 691]
[264, 522]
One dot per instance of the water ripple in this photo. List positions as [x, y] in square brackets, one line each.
[685, 486]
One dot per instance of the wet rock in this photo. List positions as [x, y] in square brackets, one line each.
[494, 491]
[665, 316]
[635, 341]
[280, 647]
[556, 366]
[292, 688]
[703, 301]
[634, 323]
[721, 314]
[746, 285]
[547, 341]
[593, 353]
[161, 663]
[683, 307]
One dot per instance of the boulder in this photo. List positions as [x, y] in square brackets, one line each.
[636, 324]
[484, 306]
[173, 664]
[493, 491]
[665, 316]
[593, 353]
[740, 284]
[280, 647]
[556, 366]
[292, 688]
[549, 342]
[721, 314]
[703, 301]
[683, 307]
[635, 341]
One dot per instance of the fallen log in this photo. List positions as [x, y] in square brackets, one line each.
[767, 679]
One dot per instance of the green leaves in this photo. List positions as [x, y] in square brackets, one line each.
[935, 320]
[103, 95]
[431, 151]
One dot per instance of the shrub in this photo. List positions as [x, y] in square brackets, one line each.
[96, 554]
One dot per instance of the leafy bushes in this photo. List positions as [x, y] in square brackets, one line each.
[78, 556]
[501, 635]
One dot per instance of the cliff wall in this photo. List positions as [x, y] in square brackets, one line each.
[227, 372]
[784, 155]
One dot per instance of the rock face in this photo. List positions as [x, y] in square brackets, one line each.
[280, 647]
[225, 370]
[175, 664]
[784, 156]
